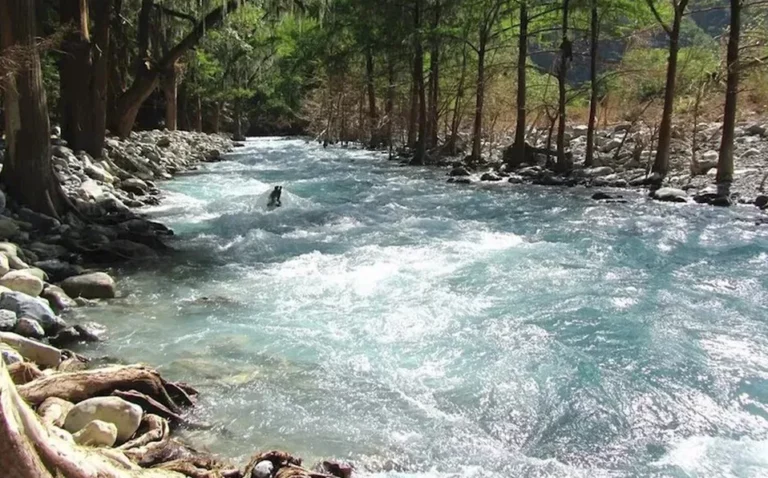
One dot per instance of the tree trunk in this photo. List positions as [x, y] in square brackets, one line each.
[456, 119]
[419, 156]
[148, 73]
[238, 120]
[27, 171]
[566, 55]
[522, 59]
[594, 35]
[217, 117]
[182, 102]
[725, 160]
[413, 117]
[373, 116]
[199, 113]
[390, 106]
[84, 73]
[661, 163]
[170, 92]
[434, 79]
[477, 130]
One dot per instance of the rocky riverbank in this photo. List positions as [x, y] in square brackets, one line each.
[115, 420]
[623, 158]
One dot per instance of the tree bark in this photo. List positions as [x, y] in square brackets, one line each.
[373, 116]
[661, 163]
[566, 54]
[84, 74]
[419, 156]
[434, 79]
[456, 119]
[147, 74]
[170, 92]
[522, 59]
[477, 130]
[198, 113]
[594, 35]
[390, 105]
[725, 159]
[27, 171]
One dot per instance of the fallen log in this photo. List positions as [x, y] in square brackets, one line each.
[78, 386]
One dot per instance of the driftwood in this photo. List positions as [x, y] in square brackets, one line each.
[78, 386]
[24, 372]
[29, 449]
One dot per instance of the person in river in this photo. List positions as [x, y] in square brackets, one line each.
[274, 197]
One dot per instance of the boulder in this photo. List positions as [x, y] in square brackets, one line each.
[26, 306]
[601, 196]
[57, 270]
[124, 415]
[8, 320]
[58, 299]
[515, 180]
[27, 327]
[22, 281]
[96, 285]
[10, 355]
[610, 146]
[459, 171]
[90, 189]
[38, 221]
[32, 350]
[98, 173]
[761, 201]
[756, 129]
[460, 180]
[670, 195]
[8, 228]
[9, 249]
[263, 469]
[16, 263]
[135, 186]
[34, 271]
[48, 251]
[490, 177]
[163, 142]
[338, 469]
[97, 434]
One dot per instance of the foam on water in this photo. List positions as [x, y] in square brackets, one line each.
[422, 329]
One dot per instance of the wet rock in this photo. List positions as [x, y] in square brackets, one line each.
[337, 468]
[460, 180]
[459, 171]
[58, 270]
[96, 434]
[490, 177]
[65, 337]
[530, 171]
[96, 285]
[124, 415]
[57, 298]
[670, 195]
[713, 197]
[90, 331]
[263, 469]
[601, 196]
[127, 250]
[22, 281]
[515, 180]
[8, 320]
[761, 201]
[135, 186]
[27, 327]
[48, 251]
[26, 306]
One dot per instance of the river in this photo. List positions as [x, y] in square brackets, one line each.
[424, 329]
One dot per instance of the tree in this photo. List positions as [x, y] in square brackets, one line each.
[661, 162]
[27, 171]
[84, 73]
[725, 158]
[566, 55]
[594, 37]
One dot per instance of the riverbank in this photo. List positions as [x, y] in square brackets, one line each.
[50, 267]
[623, 158]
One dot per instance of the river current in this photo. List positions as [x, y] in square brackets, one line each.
[424, 329]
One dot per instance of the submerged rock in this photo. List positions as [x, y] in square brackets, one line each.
[96, 285]
[490, 177]
[124, 415]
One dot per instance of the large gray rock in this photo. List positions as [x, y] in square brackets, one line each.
[29, 328]
[8, 320]
[97, 434]
[135, 186]
[58, 299]
[263, 469]
[124, 415]
[58, 270]
[8, 228]
[670, 195]
[22, 281]
[26, 306]
[96, 285]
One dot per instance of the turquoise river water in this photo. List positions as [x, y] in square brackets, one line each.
[423, 329]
